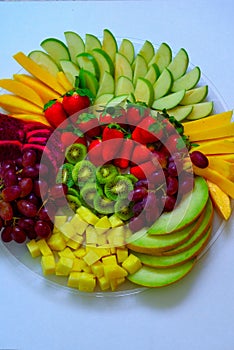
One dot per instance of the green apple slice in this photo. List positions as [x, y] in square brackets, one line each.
[162, 57]
[152, 73]
[194, 96]
[180, 112]
[56, 49]
[122, 67]
[104, 61]
[163, 84]
[87, 62]
[188, 210]
[75, 44]
[144, 91]
[170, 101]
[162, 261]
[187, 81]
[109, 44]
[106, 84]
[201, 110]
[127, 50]
[118, 100]
[124, 86]
[140, 68]
[89, 81]
[91, 43]
[102, 100]
[179, 64]
[147, 51]
[71, 70]
[45, 61]
[157, 277]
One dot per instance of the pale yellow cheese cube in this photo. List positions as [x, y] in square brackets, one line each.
[132, 264]
[48, 264]
[33, 248]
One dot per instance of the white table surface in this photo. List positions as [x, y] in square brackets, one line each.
[196, 313]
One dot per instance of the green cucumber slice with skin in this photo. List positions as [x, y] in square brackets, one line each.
[163, 84]
[185, 213]
[104, 62]
[162, 57]
[106, 84]
[75, 44]
[152, 73]
[157, 277]
[71, 70]
[170, 101]
[147, 51]
[56, 49]
[109, 44]
[180, 112]
[179, 64]
[127, 49]
[91, 43]
[87, 61]
[124, 86]
[187, 81]
[45, 61]
[201, 110]
[194, 96]
[144, 91]
[140, 68]
[122, 67]
[89, 81]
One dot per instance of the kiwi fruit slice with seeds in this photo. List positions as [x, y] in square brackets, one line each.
[103, 205]
[89, 191]
[73, 201]
[106, 173]
[131, 177]
[83, 172]
[73, 191]
[75, 153]
[64, 175]
[119, 187]
[123, 209]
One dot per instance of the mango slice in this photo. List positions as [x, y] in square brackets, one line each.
[220, 199]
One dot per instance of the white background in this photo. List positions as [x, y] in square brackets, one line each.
[196, 313]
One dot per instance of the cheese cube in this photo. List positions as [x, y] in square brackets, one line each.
[73, 279]
[64, 266]
[87, 282]
[132, 264]
[33, 248]
[48, 264]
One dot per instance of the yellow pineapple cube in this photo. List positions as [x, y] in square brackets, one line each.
[74, 242]
[132, 264]
[115, 221]
[103, 282]
[114, 271]
[91, 257]
[101, 239]
[44, 248]
[122, 254]
[91, 235]
[87, 268]
[87, 215]
[78, 265]
[73, 279]
[116, 282]
[79, 224]
[68, 230]
[64, 266]
[102, 225]
[33, 248]
[67, 253]
[80, 252]
[109, 260]
[48, 264]
[97, 269]
[56, 241]
[87, 282]
[59, 220]
[116, 236]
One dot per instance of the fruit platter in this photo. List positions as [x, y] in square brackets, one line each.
[116, 163]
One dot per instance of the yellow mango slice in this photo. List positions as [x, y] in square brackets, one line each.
[222, 166]
[43, 90]
[220, 199]
[208, 122]
[31, 117]
[215, 147]
[14, 103]
[63, 81]
[212, 175]
[37, 71]
[227, 157]
[212, 133]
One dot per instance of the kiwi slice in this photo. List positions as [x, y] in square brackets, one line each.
[106, 173]
[119, 187]
[83, 172]
[73, 201]
[73, 191]
[131, 177]
[64, 175]
[75, 153]
[103, 205]
[89, 191]
[123, 209]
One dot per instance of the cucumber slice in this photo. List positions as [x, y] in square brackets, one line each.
[89, 81]
[104, 62]
[162, 57]
[107, 84]
[56, 49]
[152, 73]
[144, 91]
[147, 51]
[109, 44]
[75, 44]
[179, 64]
[140, 68]
[45, 61]
[163, 85]
[170, 101]
[71, 70]
[124, 86]
[127, 50]
[180, 112]
[122, 67]
[187, 81]
[194, 96]
[201, 110]
[91, 43]
[87, 62]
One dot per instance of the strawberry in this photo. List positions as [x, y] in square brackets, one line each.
[112, 138]
[149, 130]
[143, 171]
[95, 152]
[140, 154]
[55, 113]
[113, 115]
[69, 137]
[112, 131]
[88, 123]
[76, 100]
[135, 113]
[125, 154]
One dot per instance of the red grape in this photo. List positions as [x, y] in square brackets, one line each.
[172, 185]
[30, 171]
[138, 194]
[6, 211]
[169, 203]
[18, 234]
[29, 158]
[10, 178]
[32, 198]
[11, 193]
[136, 223]
[26, 185]
[199, 159]
[40, 188]
[27, 208]
[58, 191]
[141, 183]
[42, 229]
[6, 234]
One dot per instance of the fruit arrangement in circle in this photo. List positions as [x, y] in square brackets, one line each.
[111, 162]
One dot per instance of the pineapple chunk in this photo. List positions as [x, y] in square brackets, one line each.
[78, 265]
[44, 248]
[59, 220]
[102, 225]
[122, 254]
[109, 260]
[67, 253]
[79, 224]
[116, 282]
[56, 241]
[97, 269]
[87, 215]
[64, 266]
[48, 264]
[80, 252]
[91, 235]
[114, 271]
[103, 282]
[91, 257]
[73, 279]
[101, 239]
[132, 264]
[68, 230]
[87, 282]
[33, 248]
[115, 221]
[116, 236]
[74, 242]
